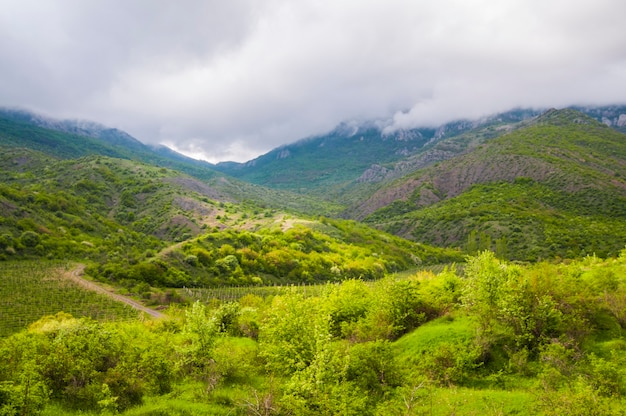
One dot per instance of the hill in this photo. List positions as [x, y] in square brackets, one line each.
[67, 139]
[352, 161]
[553, 188]
[490, 337]
[63, 139]
[338, 165]
[139, 223]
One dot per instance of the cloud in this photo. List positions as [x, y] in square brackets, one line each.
[231, 80]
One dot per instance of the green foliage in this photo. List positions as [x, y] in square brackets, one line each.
[346, 304]
[343, 380]
[288, 334]
[544, 338]
[29, 239]
[25, 394]
[199, 337]
[549, 190]
[82, 364]
[498, 337]
[507, 299]
[305, 252]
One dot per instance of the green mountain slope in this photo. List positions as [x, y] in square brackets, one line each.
[54, 143]
[137, 223]
[286, 251]
[70, 140]
[357, 159]
[555, 188]
[95, 206]
[352, 158]
[328, 161]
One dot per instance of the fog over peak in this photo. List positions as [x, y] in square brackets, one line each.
[231, 80]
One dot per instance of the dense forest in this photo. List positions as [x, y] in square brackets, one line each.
[479, 269]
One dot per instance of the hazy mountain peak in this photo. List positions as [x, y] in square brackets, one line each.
[565, 116]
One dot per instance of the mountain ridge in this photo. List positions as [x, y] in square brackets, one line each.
[17, 131]
[570, 163]
[333, 166]
[558, 155]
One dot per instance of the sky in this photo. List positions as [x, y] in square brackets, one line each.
[231, 80]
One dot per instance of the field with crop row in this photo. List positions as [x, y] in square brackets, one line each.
[30, 290]
[234, 293]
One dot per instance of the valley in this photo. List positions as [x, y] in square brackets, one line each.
[478, 267]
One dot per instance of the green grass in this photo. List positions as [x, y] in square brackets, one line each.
[186, 405]
[232, 294]
[435, 401]
[446, 329]
[498, 395]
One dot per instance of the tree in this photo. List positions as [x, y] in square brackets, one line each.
[486, 280]
[287, 337]
[199, 336]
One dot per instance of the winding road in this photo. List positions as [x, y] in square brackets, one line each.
[76, 274]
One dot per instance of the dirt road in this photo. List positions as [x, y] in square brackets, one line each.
[76, 276]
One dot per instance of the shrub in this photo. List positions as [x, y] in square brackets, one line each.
[6, 240]
[29, 239]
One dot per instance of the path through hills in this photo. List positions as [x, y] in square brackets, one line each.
[76, 274]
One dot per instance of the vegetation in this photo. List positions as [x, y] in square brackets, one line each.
[319, 165]
[271, 311]
[107, 210]
[346, 163]
[540, 339]
[554, 189]
[299, 252]
[32, 289]
[141, 224]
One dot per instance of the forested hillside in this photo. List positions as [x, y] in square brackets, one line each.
[70, 140]
[344, 163]
[554, 188]
[347, 163]
[120, 214]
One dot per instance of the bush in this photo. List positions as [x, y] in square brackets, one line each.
[29, 239]
[6, 240]
[449, 364]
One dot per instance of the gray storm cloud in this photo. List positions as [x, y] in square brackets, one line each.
[231, 80]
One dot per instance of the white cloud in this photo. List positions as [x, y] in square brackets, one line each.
[230, 80]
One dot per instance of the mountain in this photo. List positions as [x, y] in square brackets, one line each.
[74, 197]
[555, 187]
[317, 163]
[75, 138]
[139, 223]
[332, 165]
[613, 115]
[526, 186]
[353, 160]
[70, 139]
[75, 127]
